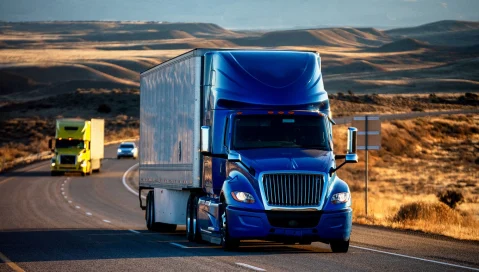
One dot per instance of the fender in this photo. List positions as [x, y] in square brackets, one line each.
[236, 181]
[337, 186]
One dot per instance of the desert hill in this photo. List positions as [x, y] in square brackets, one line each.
[61, 57]
[442, 33]
[345, 37]
[407, 44]
[435, 27]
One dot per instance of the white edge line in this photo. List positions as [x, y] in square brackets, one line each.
[417, 258]
[126, 185]
[106, 221]
[69, 201]
[134, 231]
[250, 267]
[89, 214]
[78, 207]
[178, 245]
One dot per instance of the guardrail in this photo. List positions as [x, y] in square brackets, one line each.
[6, 165]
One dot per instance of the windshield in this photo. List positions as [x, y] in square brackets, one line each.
[69, 144]
[127, 146]
[270, 131]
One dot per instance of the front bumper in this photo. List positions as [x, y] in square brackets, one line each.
[125, 154]
[68, 168]
[332, 226]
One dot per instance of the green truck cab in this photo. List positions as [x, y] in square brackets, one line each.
[78, 146]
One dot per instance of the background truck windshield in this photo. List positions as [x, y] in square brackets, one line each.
[127, 146]
[270, 131]
[65, 143]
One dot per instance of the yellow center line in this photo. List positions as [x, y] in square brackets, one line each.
[12, 265]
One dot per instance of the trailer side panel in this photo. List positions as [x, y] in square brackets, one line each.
[169, 125]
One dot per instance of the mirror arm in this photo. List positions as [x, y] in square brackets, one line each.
[332, 170]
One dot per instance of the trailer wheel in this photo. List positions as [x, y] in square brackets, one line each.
[193, 232]
[150, 216]
[190, 231]
[149, 211]
[227, 242]
[339, 246]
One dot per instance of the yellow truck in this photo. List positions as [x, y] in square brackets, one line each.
[78, 146]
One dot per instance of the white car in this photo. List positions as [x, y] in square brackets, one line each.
[127, 149]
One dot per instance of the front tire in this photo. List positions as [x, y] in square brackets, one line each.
[227, 242]
[339, 246]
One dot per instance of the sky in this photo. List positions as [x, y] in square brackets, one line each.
[247, 14]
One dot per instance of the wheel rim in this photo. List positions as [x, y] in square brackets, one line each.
[223, 227]
[195, 214]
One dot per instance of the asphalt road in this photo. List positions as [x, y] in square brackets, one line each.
[74, 223]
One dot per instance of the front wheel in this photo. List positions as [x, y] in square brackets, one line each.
[339, 246]
[227, 242]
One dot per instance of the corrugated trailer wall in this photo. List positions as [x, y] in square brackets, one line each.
[170, 124]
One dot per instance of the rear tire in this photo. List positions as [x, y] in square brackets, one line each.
[150, 216]
[190, 231]
[339, 246]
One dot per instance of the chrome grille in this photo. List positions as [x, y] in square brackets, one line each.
[68, 159]
[294, 190]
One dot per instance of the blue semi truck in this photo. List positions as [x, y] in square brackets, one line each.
[238, 145]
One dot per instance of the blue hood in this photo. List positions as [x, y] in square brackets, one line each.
[297, 159]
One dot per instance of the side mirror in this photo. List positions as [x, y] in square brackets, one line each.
[205, 145]
[51, 144]
[351, 156]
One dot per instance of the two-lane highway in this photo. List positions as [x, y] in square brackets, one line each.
[94, 223]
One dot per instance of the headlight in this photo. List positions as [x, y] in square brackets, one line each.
[53, 161]
[243, 197]
[53, 164]
[119, 150]
[83, 164]
[340, 198]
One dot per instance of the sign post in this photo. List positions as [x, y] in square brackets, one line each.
[369, 138]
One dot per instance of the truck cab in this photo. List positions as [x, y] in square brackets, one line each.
[262, 158]
[78, 146]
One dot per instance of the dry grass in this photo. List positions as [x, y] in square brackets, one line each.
[348, 104]
[419, 158]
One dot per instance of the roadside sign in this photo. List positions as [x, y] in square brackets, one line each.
[369, 126]
[369, 138]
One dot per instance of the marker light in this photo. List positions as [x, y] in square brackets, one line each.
[243, 197]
